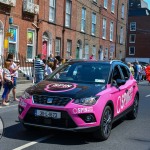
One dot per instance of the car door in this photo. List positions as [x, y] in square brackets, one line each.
[117, 91]
[128, 86]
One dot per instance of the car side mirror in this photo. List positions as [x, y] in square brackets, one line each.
[120, 82]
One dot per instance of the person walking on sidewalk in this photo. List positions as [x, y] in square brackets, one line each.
[14, 70]
[39, 67]
[8, 83]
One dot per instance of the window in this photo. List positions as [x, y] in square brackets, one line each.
[30, 44]
[86, 53]
[13, 41]
[125, 72]
[68, 13]
[31, 1]
[121, 35]
[95, 1]
[52, 10]
[94, 51]
[122, 11]
[133, 26]
[93, 23]
[105, 3]
[132, 38]
[106, 54]
[111, 31]
[132, 50]
[113, 6]
[69, 48]
[57, 46]
[104, 29]
[83, 20]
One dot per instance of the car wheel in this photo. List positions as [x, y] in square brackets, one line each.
[133, 114]
[105, 127]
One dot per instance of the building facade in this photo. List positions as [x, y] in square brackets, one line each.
[138, 35]
[76, 28]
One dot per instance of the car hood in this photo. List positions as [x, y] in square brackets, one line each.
[65, 89]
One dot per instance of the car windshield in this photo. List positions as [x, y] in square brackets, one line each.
[81, 72]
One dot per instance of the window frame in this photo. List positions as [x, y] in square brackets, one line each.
[58, 52]
[105, 4]
[86, 51]
[94, 51]
[113, 6]
[121, 35]
[131, 38]
[111, 31]
[104, 28]
[93, 32]
[69, 51]
[122, 11]
[33, 45]
[68, 14]
[131, 26]
[54, 9]
[130, 50]
[83, 20]
[16, 42]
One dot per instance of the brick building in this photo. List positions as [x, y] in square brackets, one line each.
[76, 28]
[138, 34]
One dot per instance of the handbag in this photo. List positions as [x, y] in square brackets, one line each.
[9, 84]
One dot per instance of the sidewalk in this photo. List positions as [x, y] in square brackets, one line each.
[19, 90]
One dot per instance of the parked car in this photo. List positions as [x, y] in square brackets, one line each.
[81, 96]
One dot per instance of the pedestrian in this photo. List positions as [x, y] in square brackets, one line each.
[14, 70]
[139, 69]
[39, 67]
[131, 68]
[48, 69]
[8, 83]
[1, 78]
[51, 58]
[91, 57]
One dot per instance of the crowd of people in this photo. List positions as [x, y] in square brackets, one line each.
[43, 67]
[139, 72]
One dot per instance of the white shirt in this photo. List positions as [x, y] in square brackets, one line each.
[13, 66]
[48, 70]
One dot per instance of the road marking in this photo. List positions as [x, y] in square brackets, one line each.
[147, 96]
[32, 143]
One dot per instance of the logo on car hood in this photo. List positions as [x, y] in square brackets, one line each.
[60, 87]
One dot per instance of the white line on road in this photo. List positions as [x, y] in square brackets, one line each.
[32, 143]
[147, 96]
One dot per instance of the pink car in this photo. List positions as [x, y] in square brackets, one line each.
[81, 96]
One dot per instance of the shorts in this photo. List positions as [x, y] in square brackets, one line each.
[14, 82]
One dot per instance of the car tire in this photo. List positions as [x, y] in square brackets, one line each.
[133, 114]
[106, 124]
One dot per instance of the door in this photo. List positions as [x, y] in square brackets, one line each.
[44, 50]
[77, 52]
[1, 42]
[117, 91]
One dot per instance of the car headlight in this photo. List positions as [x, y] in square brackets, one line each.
[26, 95]
[88, 101]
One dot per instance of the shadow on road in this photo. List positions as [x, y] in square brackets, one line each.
[18, 132]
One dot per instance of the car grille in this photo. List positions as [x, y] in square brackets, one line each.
[55, 101]
[64, 122]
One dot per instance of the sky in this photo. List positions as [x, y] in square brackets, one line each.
[148, 1]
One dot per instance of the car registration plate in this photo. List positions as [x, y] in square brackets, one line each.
[48, 114]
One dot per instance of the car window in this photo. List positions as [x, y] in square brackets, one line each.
[92, 72]
[116, 73]
[125, 72]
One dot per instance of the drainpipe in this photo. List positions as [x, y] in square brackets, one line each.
[63, 30]
[116, 30]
